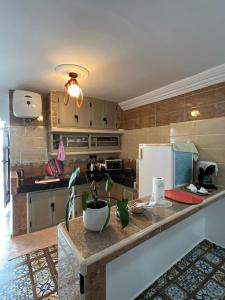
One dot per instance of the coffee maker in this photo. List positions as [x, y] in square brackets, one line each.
[207, 171]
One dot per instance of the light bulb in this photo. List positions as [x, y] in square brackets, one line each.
[40, 118]
[74, 90]
[195, 113]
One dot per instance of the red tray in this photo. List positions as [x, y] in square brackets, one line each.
[183, 197]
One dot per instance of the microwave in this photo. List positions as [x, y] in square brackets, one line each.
[113, 164]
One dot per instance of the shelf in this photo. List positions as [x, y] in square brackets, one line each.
[87, 152]
[86, 130]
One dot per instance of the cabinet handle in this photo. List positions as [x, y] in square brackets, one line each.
[76, 117]
[105, 120]
[53, 207]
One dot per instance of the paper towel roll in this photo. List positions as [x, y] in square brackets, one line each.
[158, 189]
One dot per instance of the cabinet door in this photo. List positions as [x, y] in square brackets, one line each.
[128, 194]
[59, 198]
[78, 211]
[116, 193]
[83, 114]
[110, 115]
[97, 114]
[66, 112]
[40, 212]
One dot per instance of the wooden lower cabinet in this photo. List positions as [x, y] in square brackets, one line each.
[46, 208]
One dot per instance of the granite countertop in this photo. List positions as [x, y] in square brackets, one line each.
[91, 247]
[28, 185]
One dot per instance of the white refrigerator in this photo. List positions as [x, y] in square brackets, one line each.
[160, 160]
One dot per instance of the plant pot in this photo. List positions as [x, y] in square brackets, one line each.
[94, 218]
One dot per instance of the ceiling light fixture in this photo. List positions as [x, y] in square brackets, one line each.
[195, 113]
[72, 88]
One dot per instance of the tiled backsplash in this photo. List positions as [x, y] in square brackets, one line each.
[208, 136]
[210, 102]
[28, 144]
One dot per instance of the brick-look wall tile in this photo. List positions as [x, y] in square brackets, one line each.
[210, 102]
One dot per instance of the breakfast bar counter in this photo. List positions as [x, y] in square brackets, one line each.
[91, 264]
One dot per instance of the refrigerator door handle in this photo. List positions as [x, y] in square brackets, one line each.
[140, 153]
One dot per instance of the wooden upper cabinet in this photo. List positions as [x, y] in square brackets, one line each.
[94, 113]
[97, 113]
[66, 113]
[110, 115]
[83, 114]
[104, 114]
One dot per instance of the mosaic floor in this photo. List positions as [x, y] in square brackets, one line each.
[31, 276]
[198, 275]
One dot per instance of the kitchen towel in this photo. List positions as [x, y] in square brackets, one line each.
[187, 147]
[61, 151]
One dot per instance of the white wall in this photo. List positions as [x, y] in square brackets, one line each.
[4, 107]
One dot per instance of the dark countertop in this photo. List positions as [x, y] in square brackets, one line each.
[120, 177]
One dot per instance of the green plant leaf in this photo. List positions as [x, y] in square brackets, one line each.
[123, 211]
[73, 177]
[108, 184]
[84, 199]
[108, 217]
[69, 207]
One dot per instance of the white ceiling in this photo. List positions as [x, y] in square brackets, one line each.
[130, 47]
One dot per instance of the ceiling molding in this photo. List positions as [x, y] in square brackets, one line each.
[206, 78]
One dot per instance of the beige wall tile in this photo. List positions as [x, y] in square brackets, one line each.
[212, 154]
[220, 179]
[210, 126]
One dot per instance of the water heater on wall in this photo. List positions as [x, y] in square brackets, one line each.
[27, 104]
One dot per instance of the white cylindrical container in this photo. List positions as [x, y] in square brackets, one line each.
[158, 189]
[94, 218]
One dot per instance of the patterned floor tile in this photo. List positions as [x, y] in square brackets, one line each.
[44, 283]
[175, 293]
[56, 267]
[190, 279]
[52, 248]
[203, 266]
[172, 273]
[54, 256]
[20, 289]
[182, 264]
[36, 253]
[24, 288]
[194, 254]
[223, 266]
[206, 245]
[211, 291]
[158, 297]
[38, 264]
[212, 258]
[219, 251]
[21, 270]
[219, 277]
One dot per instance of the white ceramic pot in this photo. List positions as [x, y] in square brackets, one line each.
[95, 218]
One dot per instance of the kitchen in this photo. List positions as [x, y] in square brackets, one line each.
[106, 129]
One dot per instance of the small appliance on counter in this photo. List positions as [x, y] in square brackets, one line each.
[114, 164]
[207, 171]
[162, 160]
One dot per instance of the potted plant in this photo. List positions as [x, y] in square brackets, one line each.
[96, 212]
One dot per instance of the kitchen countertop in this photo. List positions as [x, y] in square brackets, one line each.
[29, 184]
[91, 248]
